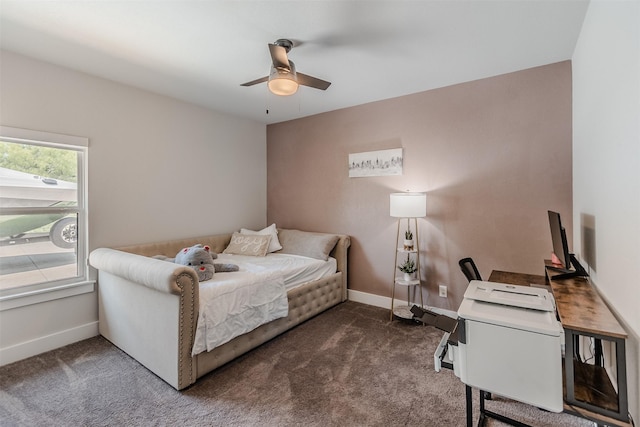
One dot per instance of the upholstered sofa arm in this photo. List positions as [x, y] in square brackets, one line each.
[149, 307]
[340, 253]
[153, 273]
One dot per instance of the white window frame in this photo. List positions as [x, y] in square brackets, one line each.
[47, 291]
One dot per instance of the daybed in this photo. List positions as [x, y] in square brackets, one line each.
[149, 308]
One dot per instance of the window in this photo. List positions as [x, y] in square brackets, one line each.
[43, 216]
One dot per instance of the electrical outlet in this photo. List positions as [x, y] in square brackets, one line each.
[443, 291]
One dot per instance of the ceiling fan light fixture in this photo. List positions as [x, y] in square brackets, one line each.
[283, 79]
[283, 82]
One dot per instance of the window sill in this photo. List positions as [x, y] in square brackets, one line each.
[43, 295]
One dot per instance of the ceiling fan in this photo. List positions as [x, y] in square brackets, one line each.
[283, 78]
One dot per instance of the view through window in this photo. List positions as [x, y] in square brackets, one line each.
[41, 214]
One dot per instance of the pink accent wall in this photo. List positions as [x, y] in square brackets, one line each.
[492, 155]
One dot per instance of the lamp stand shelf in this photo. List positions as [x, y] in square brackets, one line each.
[403, 312]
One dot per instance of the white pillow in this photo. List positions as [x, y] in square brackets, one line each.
[274, 245]
[245, 244]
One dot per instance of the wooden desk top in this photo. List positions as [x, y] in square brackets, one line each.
[581, 308]
[578, 303]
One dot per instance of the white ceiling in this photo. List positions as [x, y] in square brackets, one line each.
[201, 51]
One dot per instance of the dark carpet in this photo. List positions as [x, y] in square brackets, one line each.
[349, 366]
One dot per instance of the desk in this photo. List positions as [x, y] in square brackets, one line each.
[583, 313]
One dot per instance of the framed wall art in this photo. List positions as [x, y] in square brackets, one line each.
[376, 163]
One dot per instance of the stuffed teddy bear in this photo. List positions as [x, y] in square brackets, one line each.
[200, 258]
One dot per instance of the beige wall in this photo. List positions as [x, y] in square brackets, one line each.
[606, 146]
[158, 169]
[493, 155]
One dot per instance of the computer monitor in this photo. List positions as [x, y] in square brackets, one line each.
[569, 265]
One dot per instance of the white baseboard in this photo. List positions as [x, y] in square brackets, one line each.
[49, 342]
[385, 302]
[369, 299]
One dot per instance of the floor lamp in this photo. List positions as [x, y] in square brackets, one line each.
[410, 206]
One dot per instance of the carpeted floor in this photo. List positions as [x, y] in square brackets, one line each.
[349, 366]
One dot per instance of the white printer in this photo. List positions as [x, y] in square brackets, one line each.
[509, 342]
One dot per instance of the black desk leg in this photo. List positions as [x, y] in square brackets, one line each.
[482, 417]
[484, 414]
[469, 406]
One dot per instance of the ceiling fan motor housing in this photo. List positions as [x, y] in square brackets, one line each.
[285, 43]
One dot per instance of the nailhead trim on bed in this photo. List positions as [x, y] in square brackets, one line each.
[186, 344]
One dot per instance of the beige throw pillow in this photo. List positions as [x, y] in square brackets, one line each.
[305, 243]
[248, 244]
[271, 230]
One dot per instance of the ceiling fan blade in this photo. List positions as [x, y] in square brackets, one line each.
[313, 82]
[279, 56]
[256, 81]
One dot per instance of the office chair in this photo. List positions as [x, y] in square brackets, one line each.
[469, 269]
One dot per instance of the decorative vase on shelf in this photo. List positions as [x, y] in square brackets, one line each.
[408, 240]
[407, 277]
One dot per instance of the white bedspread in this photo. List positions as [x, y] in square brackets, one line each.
[295, 269]
[232, 304]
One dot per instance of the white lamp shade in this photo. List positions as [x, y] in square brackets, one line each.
[283, 82]
[408, 205]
